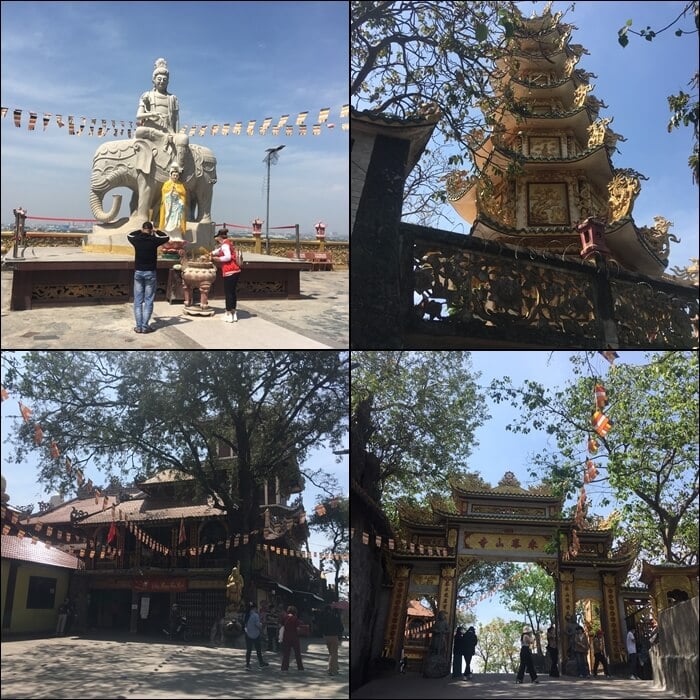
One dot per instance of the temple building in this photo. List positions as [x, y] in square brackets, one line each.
[549, 169]
[163, 541]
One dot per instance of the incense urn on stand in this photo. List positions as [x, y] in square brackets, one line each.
[197, 274]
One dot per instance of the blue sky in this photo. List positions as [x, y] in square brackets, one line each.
[228, 62]
[500, 451]
[634, 82]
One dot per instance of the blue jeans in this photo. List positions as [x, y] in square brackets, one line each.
[144, 295]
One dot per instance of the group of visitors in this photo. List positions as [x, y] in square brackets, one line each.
[146, 242]
[464, 647]
[158, 121]
[330, 625]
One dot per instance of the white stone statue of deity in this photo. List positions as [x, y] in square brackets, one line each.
[158, 115]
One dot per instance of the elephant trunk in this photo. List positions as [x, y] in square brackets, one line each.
[99, 213]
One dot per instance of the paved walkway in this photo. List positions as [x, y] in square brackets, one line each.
[413, 685]
[86, 667]
[319, 320]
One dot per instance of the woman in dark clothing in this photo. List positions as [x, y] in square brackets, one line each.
[470, 641]
[458, 653]
[291, 639]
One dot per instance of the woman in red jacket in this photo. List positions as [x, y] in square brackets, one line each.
[230, 270]
[291, 639]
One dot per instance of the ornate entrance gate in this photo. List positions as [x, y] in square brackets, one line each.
[503, 523]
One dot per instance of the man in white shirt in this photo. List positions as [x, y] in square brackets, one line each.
[632, 653]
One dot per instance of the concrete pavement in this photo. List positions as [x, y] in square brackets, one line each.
[413, 685]
[319, 320]
[90, 667]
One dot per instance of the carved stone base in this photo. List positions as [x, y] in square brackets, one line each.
[435, 666]
[111, 238]
[198, 310]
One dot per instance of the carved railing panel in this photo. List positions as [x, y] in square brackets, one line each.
[478, 290]
[652, 317]
[457, 285]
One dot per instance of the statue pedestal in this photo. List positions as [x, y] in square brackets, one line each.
[111, 238]
[198, 310]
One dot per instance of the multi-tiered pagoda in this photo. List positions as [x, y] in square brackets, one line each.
[547, 178]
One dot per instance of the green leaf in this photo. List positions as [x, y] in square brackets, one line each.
[622, 37]
[481, 32]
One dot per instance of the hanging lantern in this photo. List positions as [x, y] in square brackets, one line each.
[601, 423]
[592, 445]
[590, 473]
[601, 398]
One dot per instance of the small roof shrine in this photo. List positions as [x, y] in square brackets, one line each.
[669, 583]
[549, 171]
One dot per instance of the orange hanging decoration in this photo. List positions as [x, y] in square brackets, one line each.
[601, 423]
[601, 398]
[25, 411]
[590, 473]
[592, 445]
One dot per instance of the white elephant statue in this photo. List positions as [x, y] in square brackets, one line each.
[141, 167]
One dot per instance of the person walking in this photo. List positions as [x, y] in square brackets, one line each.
[253, 629]
[290, 639]
[470, 642]
[632, 653]
[145, 244]
[63, 610]
[457, 653]
[553, 650]
[272, 626]
[331, 628]
[70, 616]
[526, 640]
[581, 652]
[230, 270]
[599, 654]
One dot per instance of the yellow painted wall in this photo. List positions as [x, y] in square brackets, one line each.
[23, 620]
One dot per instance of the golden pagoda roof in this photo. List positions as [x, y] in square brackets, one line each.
[415, 514]
[469, 484]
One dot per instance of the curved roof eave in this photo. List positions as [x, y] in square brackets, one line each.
[626, 242]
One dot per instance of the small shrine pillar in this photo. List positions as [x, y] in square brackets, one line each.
[321, 235]
[257, 234]
[611, 622]
[394, 631]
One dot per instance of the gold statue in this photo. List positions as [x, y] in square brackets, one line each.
[234, 588]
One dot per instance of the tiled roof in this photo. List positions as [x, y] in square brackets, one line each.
[143, 508]
[61, 514]
[153, 509]
[168, 476]
[369, 115]
[24, 550]
[418, 610]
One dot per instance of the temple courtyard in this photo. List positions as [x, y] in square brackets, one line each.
[494, 685]
[318, 320]
[93, 667]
